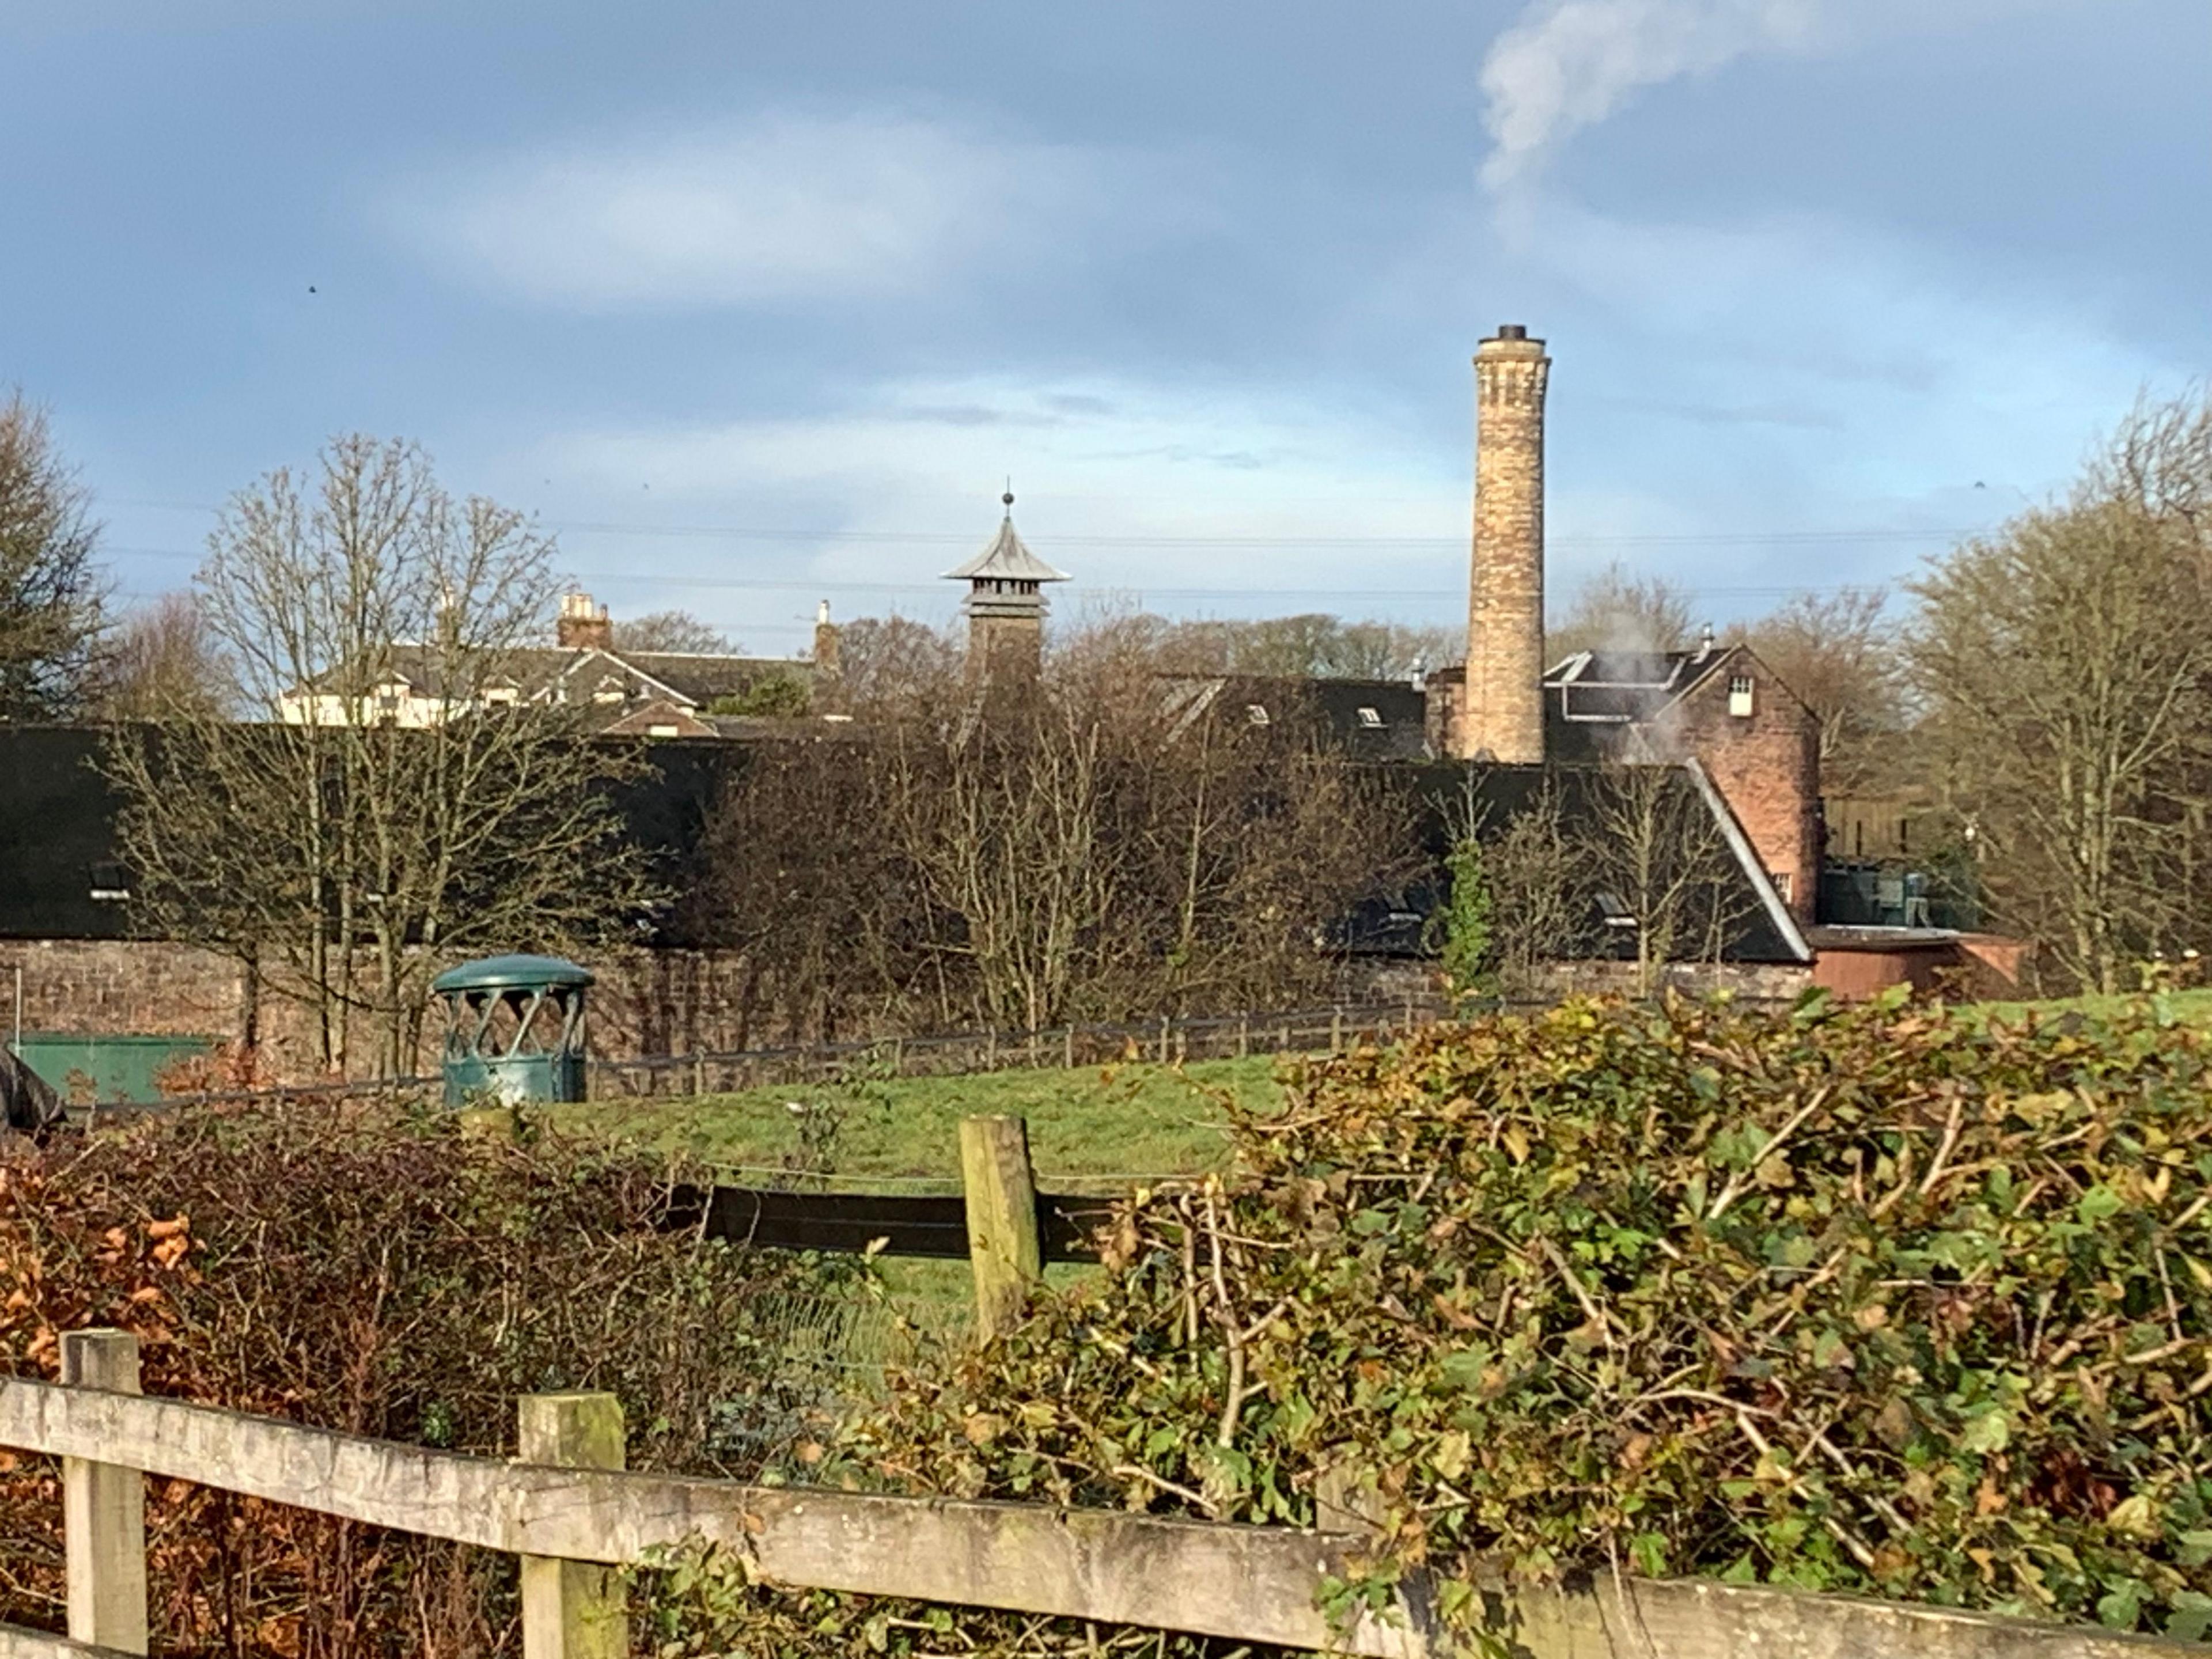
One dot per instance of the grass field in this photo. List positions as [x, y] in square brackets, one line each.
[1133, 1118]
[1102, 1124]
[2192, 1007]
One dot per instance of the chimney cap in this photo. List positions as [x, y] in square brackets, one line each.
[1513, 330]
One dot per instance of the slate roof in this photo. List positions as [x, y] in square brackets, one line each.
[1007, 559]
[1370, 720]
[1594, 700]
[1393, 925]
[58, 835]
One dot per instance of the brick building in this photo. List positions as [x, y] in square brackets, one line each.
[1718, 705]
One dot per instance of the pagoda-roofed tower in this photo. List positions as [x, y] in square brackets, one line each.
[1006, 607]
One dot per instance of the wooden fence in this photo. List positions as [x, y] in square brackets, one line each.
[1165, 1040]
[568, 1510]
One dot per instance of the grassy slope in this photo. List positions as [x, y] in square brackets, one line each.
[2194, 1008]
[1121, 1119]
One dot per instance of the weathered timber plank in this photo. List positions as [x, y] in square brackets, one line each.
[1698, 1619]
[17, 1642]
[1252, 1583]
[918, 1226]
[999, 1190]
[1248, 1581]
[104, 1508]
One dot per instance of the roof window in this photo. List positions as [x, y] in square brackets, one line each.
[1371, 717]
[1255, 714]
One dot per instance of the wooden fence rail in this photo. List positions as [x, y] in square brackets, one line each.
[1245, 1583]
[944, 1053]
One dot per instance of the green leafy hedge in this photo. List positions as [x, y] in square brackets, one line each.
[1883, 1299]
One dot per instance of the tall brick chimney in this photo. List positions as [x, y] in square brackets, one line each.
[583, 625]
[828, 662]
[1502, 717]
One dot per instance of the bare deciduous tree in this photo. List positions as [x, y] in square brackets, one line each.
[1838, 652]
[892, 663]
[1085, 848]
[163, 659]
[673, 630]
[2065, 666]
[1314, 646]
[1649, 847]
[1614, 611]
[51, 600]
[1541, 897]
[342, 856]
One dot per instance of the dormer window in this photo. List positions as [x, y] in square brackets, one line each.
[1371, 719]
[609, 689]
[1739, 696]
[1255, 714]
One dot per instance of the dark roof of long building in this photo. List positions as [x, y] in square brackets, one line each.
[60, 876]
[1760, 928]
[1370, 720]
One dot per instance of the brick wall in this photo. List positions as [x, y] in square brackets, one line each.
[1502, 713]
[645, 1003]
[91, 986]
[1766, 765]
[1763, 980]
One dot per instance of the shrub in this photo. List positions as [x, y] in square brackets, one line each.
[1885, 1299]
[362, 1269]
[1464, 926]
[772, 695]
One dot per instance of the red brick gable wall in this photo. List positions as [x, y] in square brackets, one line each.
[1766, 764]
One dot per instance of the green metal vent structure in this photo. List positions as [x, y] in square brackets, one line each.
[514, 1030]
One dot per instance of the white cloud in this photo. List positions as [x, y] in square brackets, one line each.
[784, 208]
[1568, 64]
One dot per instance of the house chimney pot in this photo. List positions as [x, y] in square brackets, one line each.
[583, 625]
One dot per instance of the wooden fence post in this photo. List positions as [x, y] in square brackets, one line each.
[1068, 1047]
[104, 1509]
[1002, 1218]
[1164, 1039]
[1336, 1030]
[572, 1609]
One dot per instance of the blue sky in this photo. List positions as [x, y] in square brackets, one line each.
[757, 304]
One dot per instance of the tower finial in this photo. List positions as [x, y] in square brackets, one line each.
[1008, 498]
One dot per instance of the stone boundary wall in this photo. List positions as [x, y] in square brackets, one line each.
[646, 1005]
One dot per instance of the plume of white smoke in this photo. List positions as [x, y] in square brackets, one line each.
[1570, 64]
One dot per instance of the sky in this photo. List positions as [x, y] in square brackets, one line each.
[756, 305]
